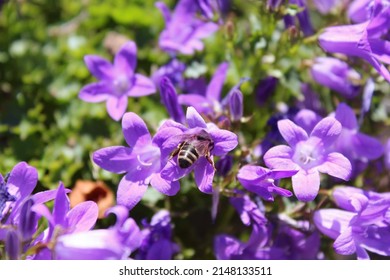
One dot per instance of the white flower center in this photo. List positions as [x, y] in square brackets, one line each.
[121, 85]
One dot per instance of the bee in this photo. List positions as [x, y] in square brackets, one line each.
[192, 147]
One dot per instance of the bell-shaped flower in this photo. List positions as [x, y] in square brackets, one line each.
[310, 155]
[362, 226]
[184, 30]
[141, 162]
[170, 100]
[117, 81]
[363, 40]
[336, 75]
[205, 138]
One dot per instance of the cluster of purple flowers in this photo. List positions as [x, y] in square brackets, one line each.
[202, 134]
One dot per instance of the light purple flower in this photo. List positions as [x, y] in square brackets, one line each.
[115, 243]
[117, 81]
[336, 75]
[324, 7]
[362, 10]
[208, 102]
[184, 30]
[352, 143]
[307, 119]
[310, 154]
[141, 161]
[63, 220]
[362, 226]
[223, 142]
[174, 70]
[156, 241]
[261, 181]
[362, 40]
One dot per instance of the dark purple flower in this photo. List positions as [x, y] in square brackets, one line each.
[261, 181]
[13, 245]
[362, 40]
[224, 165]
[184, 30]
[157, 235]
[117, 81]
[310, 155]
[303, 17]
[141, 161]
[170, 100]
[208, 102]
[236, 105]
[114, 243]
[362, 226]
[353, 144]
[336, 75]
[264, 89]
[218, 141]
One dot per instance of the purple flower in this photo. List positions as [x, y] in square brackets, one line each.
[183, 29]
[250, 212]
[264, 89]
[303, 18]
[362, 40]
[362, 10]
[156, 243]
[310, 100]
[307, 119]
[224, 165]
[174, 70]
[115, 243]
[117, 81]
[170, 100]
[351, 143]
[206, 137]
[310, 155]
[336, 75]
[324, 7]
[64, 220]
[362, 226]
[261, 181]
[141, 161]
[208, 102]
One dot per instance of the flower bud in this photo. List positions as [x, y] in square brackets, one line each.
[28, 220]
[12, 245]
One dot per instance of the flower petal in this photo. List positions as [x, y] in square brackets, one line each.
[346, 116]
[367, 147]
[82, 217]
[172, 172]
[345, 243]
[215, 86]
[99, 67]
[199, 102]
[22, 180]
[163, 186]
[95, 92]
[125, 60]
[332, 222]
[291, 132]
[194, 119]
[116, 107]
[142, 86]
[204, 175]
[306, 184]
[167, 139]
[336, 165]
[279, 157]
[224, 141]
[135, 130]
[129, 192]
[117, 159]
[328, 130]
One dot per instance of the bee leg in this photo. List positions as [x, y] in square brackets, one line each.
[176, 151]
[210, 160]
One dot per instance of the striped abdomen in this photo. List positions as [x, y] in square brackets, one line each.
[187, 155]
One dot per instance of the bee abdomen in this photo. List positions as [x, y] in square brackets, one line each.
[187, 156]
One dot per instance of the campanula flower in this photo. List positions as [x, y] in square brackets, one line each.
[141, 161]
[303, 18]
[156, 238]
[261, 181]
[363, 40]
[362, 225]
[174, 70]
[114, 243]
[310, 155]
[264, 89]
[223, 142]
[362, 10]
[184, 30]
[336, 75]
[117, 81]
